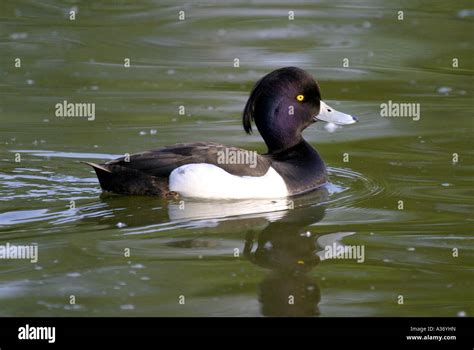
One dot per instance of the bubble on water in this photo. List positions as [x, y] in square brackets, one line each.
[268, 245]
[94, 87]
[145, 278]
[138, 266]
[72, 307]
[462, 313]
[73, 274]
[446, 184]
[30, 82]
[121, 224]
[127, 307]
[444, 90]
[153, 132]
[142, 133]
[386, 260]
[466, 13]
[411, 249]
[330, 127]
[18, 36]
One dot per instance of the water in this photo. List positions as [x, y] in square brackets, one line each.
[112, 255]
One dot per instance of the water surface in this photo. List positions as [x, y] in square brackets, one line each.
[236, 258]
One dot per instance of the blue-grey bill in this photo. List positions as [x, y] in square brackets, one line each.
[330, 115]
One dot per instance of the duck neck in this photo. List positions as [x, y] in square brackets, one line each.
[301, 167]
[276, 145]
[299, 150]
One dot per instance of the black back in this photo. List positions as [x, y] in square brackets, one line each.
[162, 161]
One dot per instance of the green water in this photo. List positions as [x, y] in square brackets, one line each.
[244, 258]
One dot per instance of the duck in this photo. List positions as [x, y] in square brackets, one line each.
[281, 105]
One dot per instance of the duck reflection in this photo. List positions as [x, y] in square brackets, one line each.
[289, 249]
[289, 295]
[280, 235]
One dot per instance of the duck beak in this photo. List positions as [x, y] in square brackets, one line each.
[330, 115]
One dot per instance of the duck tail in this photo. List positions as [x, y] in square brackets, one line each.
[97, 167]
[122, 180]
[103, 174]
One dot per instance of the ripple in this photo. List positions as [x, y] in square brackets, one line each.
[347, 188]
[354, 187]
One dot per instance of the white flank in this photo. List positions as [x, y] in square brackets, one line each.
[209, 181]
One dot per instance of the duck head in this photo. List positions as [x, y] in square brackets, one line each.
[284, 103]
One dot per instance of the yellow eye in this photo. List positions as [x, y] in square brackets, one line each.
[300, 97]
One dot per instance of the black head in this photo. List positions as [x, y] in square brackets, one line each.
[282, 104]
